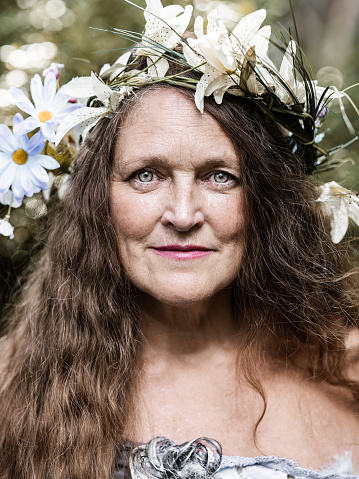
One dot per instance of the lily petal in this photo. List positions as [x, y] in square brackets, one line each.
[260, 41]
[207, 77]
[247, 26]
[79, 87]
[339, 222]
[222, 83]
[100, 89]
[84, 116]
[198, 27]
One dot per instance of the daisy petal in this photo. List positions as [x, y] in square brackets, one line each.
[22, 101]
[36, 89]
[45, 161]
[26, 126]
[8, 199]
[7, 177]
[17, 189]
[23, 175]
[48, 131]
[39, 177]
[36, 144]
[18, 118]
[59, 102]
[8, 142]
[4, 163]
[50, 87]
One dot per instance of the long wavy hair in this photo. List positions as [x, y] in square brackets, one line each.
[69, 364]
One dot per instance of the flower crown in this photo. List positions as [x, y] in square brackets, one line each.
[235, 63]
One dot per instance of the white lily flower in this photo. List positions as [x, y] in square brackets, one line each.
[288, 74]
[6, 228]
[86, 118]
[226, 54]
[340, 205]
[164, 28]
[117, 68]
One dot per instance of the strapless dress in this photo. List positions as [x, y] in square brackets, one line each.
[202, 458]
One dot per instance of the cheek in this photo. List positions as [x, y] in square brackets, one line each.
[227, 214]
[134, 215]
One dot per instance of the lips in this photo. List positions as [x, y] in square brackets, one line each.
[182, 252]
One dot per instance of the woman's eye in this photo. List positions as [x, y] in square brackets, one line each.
[221, 177]
[145, 176]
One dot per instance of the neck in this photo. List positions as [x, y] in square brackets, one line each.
[177, 332]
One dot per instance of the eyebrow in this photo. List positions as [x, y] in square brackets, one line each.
[210, 162]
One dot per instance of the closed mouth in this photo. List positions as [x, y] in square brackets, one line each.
[182, 252]
[177, 247]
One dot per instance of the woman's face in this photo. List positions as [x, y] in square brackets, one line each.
[176, 200]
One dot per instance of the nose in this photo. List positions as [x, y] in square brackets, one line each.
[183, 210]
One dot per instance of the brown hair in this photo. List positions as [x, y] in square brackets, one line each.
[68, 368]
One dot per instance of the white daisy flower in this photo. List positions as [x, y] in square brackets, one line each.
[340, 205]
[49, 109]
[22, 166]
[6, 228]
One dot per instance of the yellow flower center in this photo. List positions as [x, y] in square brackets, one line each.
[19, 157]
[44, 116]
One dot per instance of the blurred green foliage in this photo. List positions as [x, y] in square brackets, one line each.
[34, 33]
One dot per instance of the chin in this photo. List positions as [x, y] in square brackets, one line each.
[184, 294]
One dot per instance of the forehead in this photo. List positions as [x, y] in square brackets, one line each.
[167, 124]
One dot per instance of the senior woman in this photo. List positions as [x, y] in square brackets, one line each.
[189, 316]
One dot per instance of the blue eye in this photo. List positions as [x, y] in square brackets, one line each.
[221, 177]
[145, 176]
